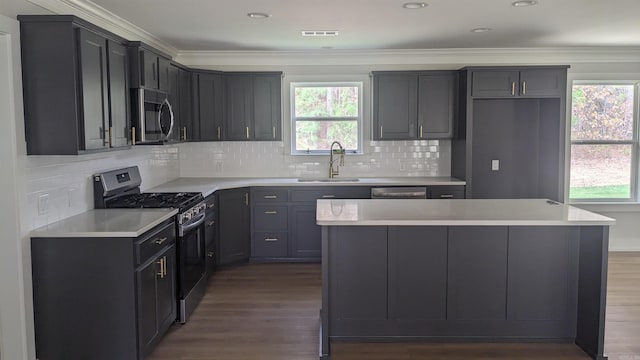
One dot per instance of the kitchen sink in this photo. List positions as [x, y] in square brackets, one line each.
[336, 179]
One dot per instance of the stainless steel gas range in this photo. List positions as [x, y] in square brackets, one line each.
[121, 189]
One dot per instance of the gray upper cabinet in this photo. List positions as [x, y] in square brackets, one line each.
[179, 95]
[149, 67]
[395, 106]
[209, 99]
[75, 83]
[518, 83]
[252, 106]
[414, 105]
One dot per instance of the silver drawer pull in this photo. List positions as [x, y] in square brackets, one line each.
[271, 196]
[270, 239]
[211, 205]
[161, 240]
[270, 212]
[446, 196]
[211, 223]
[210, 254]
[328, 196]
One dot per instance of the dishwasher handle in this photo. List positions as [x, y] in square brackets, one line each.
[399, 193]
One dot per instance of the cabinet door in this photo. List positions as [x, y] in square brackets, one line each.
[395, 106]
[305, 240]
[156, 299]
[543, 82]
[210, 106]
[234, 229]
[266, 107]
[417, 281]
[149, 71]
[93, 73]
[495, 83]
[163, 73]
[436, 106]
[119, 95]
[237, 107]
[477, 268]
[187, 130]
[174, 100]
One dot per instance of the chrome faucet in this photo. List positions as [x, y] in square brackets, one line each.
[333, 172]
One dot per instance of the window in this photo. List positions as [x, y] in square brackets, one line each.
[323, 113]
[604, 141]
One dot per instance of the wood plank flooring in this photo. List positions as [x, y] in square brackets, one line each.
[270, 311]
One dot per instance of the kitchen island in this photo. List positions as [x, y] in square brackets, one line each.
[529, 270]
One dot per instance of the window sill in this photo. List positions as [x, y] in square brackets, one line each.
[621, 207]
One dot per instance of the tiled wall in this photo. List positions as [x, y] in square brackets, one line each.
[67, 179]
[271, 159]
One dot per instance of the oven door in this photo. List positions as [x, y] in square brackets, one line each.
[191, 266]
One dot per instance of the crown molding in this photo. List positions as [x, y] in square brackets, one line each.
[446, 57]
[102, 17]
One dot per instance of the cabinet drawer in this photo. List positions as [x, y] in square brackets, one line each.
[269, 244]
[330, 192]
[269, 195]
[156, 240]
[270, 217]
[445, 192]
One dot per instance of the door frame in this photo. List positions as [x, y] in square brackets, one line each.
[16, 306]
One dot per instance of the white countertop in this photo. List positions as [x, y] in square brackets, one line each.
[457, 212]
[208, 185]
[106, 223]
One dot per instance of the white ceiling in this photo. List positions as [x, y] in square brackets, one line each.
[383, 24]
[211, 25]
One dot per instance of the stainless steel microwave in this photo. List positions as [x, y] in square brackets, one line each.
[153, 119]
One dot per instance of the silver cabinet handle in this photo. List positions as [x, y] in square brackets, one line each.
[446, 196]
[328, 196]
[210, 254]
[420, 131]
[211, 206]
[274, 132]
[270, 212]
[380, 131]
[218, 132]
[270, 239]
[524, 88]
[161, 240]
[271, 196]
[513, 88]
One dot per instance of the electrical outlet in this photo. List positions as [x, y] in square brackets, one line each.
[495, 165]
[70, 194]
[43, 204]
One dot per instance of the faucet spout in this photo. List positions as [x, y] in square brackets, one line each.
[340, 151]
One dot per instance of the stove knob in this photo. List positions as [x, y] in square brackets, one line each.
[187, 216]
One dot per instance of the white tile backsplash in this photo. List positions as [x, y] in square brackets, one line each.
[67, 179]
[271, 159]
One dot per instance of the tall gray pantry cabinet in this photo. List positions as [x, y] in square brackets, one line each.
[76, 86]
[509, 142]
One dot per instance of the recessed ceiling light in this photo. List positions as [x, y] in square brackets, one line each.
[414, 5]
[524, 3]
[480, 30]
[258, 15]
[319, 32]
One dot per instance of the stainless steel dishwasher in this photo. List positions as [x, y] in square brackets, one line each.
[399, 192]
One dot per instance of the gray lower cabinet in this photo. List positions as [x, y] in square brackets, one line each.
[452, 282]
[156, 298]
[284, 220]
[233, 225]
[76, 86]
[103, 298]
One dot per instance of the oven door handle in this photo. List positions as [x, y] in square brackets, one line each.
[199, 221]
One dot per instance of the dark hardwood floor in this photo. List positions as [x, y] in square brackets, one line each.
[270, 311]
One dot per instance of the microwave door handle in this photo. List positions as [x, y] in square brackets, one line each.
[168, 105]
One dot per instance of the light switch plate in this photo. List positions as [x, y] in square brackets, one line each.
[495, 165]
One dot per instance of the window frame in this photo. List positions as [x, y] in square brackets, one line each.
[359, 119]
[634, 142]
